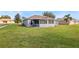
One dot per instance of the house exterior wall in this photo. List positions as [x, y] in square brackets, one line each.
[72, 22]
[27, 23]
[46, 25]
[1, 22]
[8, 22]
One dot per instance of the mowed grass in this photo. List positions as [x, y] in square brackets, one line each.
[64, 36]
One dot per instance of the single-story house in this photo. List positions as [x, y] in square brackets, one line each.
[40, 21]
[6, 21]
[73, 22]
[69, 22]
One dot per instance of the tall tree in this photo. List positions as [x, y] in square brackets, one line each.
[67, 17]
[49, 14]
[17, 18]
[23, 18]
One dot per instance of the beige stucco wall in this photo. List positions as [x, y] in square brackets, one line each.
[72, 22]
[9, 21]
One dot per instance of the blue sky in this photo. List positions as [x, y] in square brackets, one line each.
[58, 14]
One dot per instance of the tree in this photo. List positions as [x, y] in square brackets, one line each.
[23, 18]
[5, 17]
[49, 14]
[67, 17]
[17, 18]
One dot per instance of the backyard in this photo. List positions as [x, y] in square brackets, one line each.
[15, 36]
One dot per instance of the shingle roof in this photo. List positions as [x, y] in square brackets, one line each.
[40, 17]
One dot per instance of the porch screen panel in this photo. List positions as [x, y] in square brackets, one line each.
[43, 21]
[51, 21]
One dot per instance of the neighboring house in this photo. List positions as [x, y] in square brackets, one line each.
[62, 22]
[6, 21]
[40, 21]
[70, 22]
[73, 22]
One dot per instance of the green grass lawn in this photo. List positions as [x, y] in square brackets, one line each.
[13, 36]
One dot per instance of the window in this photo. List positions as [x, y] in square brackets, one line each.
[4, 21]
[43, 21]
[50, 21]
